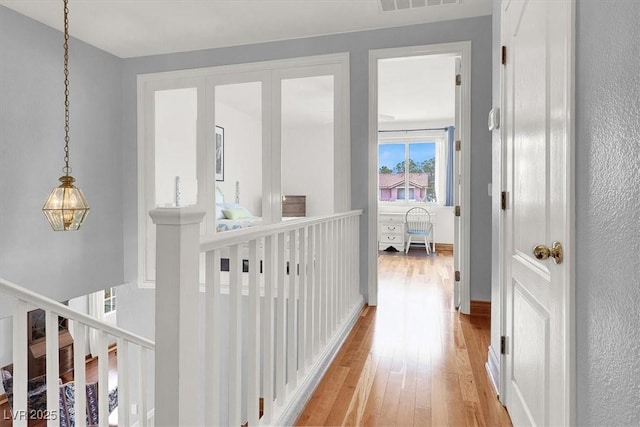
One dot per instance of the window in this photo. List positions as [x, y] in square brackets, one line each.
[407, 171]
[109, 300]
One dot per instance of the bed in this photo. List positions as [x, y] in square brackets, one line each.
[233, 216]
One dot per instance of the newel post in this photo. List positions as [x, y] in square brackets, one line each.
[177, 294]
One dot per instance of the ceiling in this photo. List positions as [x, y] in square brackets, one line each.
[130, 28]
[416, 90]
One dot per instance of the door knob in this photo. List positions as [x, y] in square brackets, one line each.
[555, 251]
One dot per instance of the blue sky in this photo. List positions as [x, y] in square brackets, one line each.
[391, 154]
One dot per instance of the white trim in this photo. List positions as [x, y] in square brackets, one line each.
[305, 61]
[493, 369]
[204, 79]
[462, 49]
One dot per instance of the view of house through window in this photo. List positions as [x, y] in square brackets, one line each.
[109, 300]
[407, 171]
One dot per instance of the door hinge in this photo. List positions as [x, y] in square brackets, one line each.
[458, 80]
[503, 201]
[503, 59]
[458, 145]
[503, 345]
[457, 211]
[457, 275]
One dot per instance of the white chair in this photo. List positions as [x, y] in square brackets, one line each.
[418, 223]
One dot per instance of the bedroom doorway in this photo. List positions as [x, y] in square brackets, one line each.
[419, 114]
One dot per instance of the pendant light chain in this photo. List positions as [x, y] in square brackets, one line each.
[66, 168]
[66, 207]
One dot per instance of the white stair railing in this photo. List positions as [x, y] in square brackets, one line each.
[278, 301]
[25, 300]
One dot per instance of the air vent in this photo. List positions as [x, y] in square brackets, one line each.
[392, 5]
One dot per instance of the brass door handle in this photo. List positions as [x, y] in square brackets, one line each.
[555, 251]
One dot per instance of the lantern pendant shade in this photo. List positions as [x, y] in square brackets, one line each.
[66, 208]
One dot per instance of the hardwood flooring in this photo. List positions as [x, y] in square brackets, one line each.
[411, 361]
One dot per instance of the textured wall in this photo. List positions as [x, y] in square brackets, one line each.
[61, 265]
[358, 44]
[608, 213]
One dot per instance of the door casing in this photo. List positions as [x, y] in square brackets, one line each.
[463, 49]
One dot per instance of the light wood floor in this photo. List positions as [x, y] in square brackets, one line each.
[411, 361]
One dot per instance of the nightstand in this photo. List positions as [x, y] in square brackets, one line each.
[391, 232]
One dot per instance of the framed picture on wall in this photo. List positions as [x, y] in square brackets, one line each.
[219, 153]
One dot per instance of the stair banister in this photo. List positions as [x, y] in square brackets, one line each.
[177, 372]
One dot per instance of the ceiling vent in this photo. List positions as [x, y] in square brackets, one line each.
[391, 5]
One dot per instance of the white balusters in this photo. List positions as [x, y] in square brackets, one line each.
[103, 379]
[281, 331]
[292, 315]
[284, 307]
[333, 244]
[235, 337]
[317, 238]
[80, 374]
[79, 325]
[123, 382]
[52, 366]
[303, 308]
[253, 342]
[324, 283]
[213, 339]
[268, 329]
[143, 396]
[20, 364]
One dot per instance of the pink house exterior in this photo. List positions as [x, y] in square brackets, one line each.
[391, 186]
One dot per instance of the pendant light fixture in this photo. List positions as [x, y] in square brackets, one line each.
[66, 208]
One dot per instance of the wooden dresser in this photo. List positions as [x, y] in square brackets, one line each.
[294, 206]
[391, 229]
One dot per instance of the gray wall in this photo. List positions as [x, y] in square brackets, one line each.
[60, 265]
[478, 30]
[608, 212]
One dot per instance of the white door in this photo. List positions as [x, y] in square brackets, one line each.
[537, 90]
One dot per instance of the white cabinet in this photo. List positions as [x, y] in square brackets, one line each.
[391, 231]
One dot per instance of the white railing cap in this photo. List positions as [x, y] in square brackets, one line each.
[177, 215]
[40, 301]
[234, 237]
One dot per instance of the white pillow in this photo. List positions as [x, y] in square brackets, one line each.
[225, 206]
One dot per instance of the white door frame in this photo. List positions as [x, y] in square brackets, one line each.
[462, 49]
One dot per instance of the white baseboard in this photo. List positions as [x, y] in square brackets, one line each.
[308, 384]
[493, 369]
